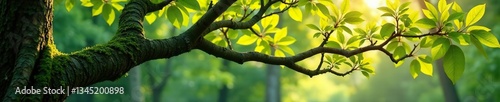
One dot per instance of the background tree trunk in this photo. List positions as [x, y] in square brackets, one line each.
[273, 89]
[135, 85]
[449, 91]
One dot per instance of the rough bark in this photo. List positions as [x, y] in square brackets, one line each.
[29, 57]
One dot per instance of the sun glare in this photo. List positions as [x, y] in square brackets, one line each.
[374, 3]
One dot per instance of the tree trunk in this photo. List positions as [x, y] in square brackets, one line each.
[30, 59]
[273, 90]
[135, 85]
[449, 91]
[26, 33]
[224, 91]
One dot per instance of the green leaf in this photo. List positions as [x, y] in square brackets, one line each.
[392, 5]
[454, 63]
[87, 3]
[387, 30]
[346, 29]
[426, 42]
[97, 8]
[399, 52]
[353, 20]
[426, 23]
[414, 67]
[333, 44]
[386, 10]
[279, 53]
[295, 14]
[392, 45]
[366, 74]
[340, 36]
[322, 8]
[69, 4]
[150, 17]
[312, 26]
[439, 48]
[355, 14]
[404, 5]
[360, 31]
[442, 6]
[475, 14]
[286, 41]
[478, 45]
[317, 34]
[270, 21]
[192, 4]
[117, 6]
[476, 27]
[455, 16]
[459, 38]
[432, 9]
[344, 6]
[246, 40]
[174, 15]
[429, 14]
[108, 14]
[280, 34]
[425, 63]
[486, 38]
[286, 49]
[456, 7]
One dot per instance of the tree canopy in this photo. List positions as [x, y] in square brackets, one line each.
[216, 26]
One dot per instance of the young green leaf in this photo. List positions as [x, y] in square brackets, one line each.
[387, 30]
[386, 10]
[454, 63]
[333, 44]
[439, 48]
[399, 53]
[478, 45]
[366, 74]
[192, 4]
[426, 23]
[425, 63]
[312, 26]
[108, 14]
[460, 38]
[356, 14]
[295, 14]
[475, 14]
[442, 6]
[174, 15]
[414, 67]
[286, 49]
[97, 8]
[344, 6]
[280, 34]
[279, 53]
[392, 45]
[454, 16]
[270, 21]
[150, 17]
[486, 38]
[353, 20]
[69, 4]
[432, 9]
[246, 40]
[323, 10]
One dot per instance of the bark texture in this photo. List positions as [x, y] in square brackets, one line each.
[30, 58]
